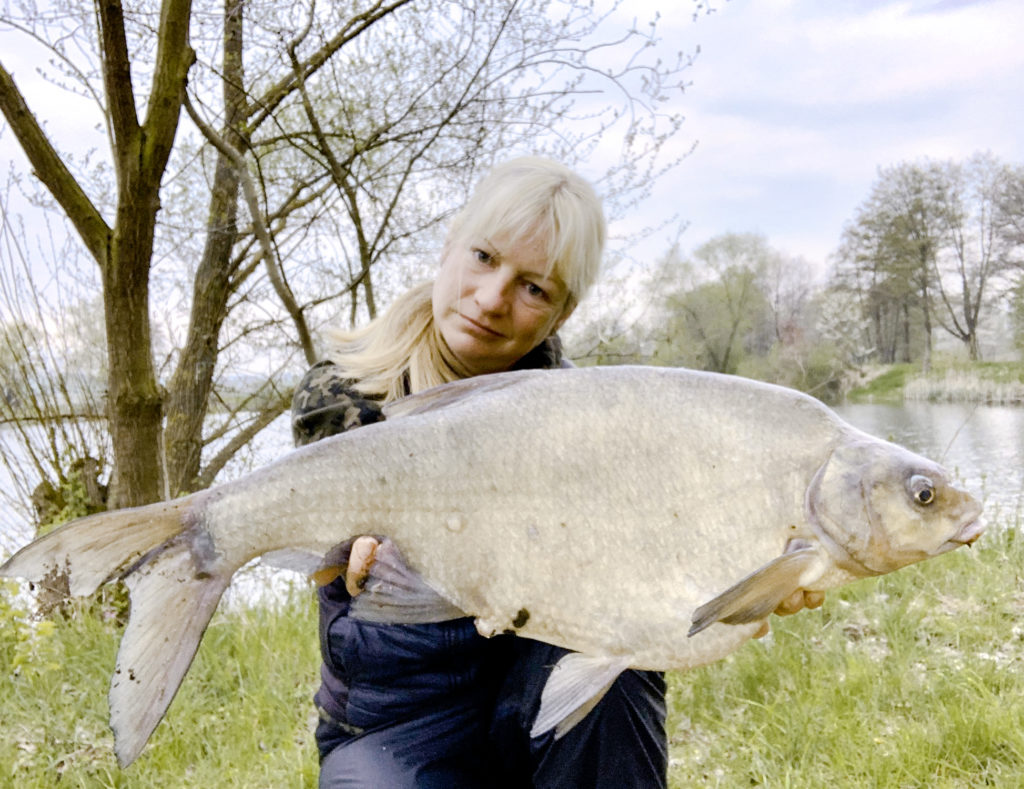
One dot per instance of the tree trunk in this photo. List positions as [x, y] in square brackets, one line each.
[906, 332]
[190, 386]
[973, 346]
[140, 152]
[134, 403]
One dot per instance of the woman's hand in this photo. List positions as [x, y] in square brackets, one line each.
[799, 600]
[359, 562]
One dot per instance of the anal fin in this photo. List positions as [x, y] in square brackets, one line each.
[575, 686]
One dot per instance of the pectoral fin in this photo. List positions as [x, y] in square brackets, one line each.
[760, 593]
[396, 594]
[575, 686]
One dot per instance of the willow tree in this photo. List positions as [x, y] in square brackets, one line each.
[323, 147]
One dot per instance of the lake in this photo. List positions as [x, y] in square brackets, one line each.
[982, 445]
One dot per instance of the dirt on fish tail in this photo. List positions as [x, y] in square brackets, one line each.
[86, 553]
[174, 592]
[168, 564]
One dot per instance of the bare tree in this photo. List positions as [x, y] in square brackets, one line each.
[53, 442]
[928, 244]
[344, 134]
[889, 254]
[976, 252]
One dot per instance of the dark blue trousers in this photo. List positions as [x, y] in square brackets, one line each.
[621, 744]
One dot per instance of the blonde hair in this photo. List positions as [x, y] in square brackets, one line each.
[532, 196]
[402, 350]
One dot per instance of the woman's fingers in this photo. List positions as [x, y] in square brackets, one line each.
[359, 562]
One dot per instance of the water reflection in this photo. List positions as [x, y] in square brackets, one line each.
[982, 445]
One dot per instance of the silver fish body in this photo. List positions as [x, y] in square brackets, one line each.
[642, 517]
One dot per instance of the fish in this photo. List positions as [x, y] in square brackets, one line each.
[642, 517]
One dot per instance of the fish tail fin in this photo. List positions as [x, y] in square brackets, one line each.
[175, 578]
[173, 599]
[98, 548]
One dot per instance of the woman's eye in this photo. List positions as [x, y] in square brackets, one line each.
[482, 256]
[535, 291]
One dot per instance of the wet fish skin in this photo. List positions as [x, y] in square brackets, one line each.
[514, 497]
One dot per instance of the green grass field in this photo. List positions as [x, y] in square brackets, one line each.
[911, 680]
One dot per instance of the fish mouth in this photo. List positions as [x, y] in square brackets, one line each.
[967, 535]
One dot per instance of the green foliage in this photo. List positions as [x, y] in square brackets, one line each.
[713, 323]
[721, 304]
[28, 648]
[817, 369]
[76, 494]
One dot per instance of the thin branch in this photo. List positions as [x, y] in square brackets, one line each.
[268, 252]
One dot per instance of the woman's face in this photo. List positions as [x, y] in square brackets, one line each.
[493, 302]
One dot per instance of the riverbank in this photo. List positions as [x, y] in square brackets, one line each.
[991, 383]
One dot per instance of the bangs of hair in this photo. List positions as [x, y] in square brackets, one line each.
[531, 197]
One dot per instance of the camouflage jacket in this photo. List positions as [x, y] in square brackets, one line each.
[325, 402]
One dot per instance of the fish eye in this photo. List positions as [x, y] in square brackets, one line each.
[922, 489]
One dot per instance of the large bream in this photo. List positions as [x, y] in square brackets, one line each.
[642, 517]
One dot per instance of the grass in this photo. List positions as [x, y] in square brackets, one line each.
[948, 380]
[910, 680]
[243, 716]
[885, 385]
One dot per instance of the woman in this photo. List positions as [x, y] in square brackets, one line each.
[437, 705]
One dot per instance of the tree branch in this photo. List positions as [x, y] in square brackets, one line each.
[174, 57]
[260, 229]
[51, 170]
[241, 438]
[117, 75]
[353, 28]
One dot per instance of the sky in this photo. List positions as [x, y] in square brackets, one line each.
[795, 105]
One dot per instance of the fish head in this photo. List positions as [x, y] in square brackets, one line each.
[879, 507]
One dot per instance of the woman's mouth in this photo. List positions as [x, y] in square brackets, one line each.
[479, 328]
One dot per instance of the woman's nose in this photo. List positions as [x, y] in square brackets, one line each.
[492, 292]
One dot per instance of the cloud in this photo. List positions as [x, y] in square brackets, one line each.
[795, 104]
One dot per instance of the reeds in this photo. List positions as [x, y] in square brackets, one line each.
[964, 385]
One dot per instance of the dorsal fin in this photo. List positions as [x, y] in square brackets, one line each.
[447, 395]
